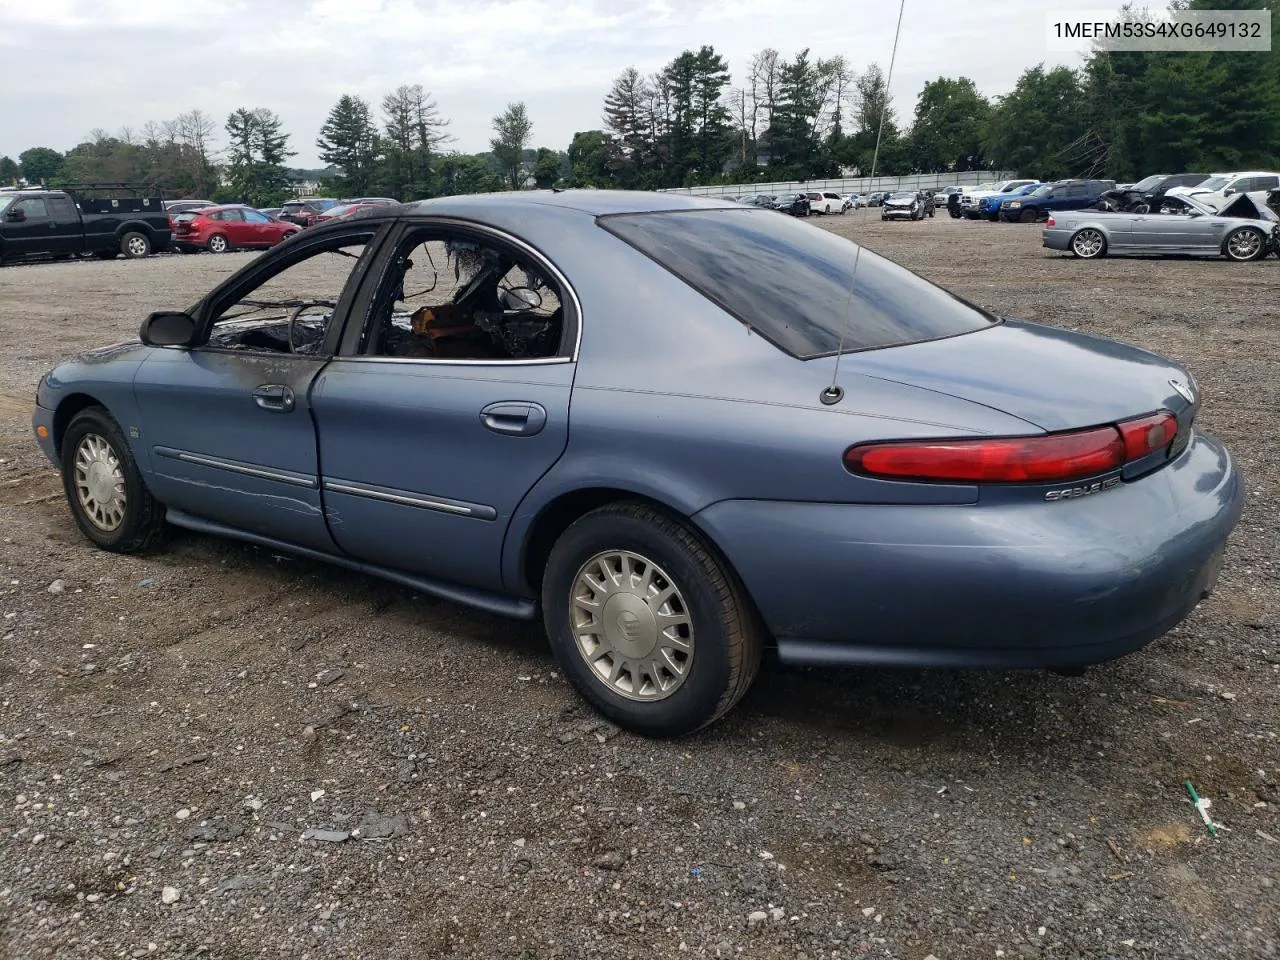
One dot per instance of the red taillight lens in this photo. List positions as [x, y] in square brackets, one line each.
[1051, 222]
[1148, 435]
[1063, 456]
[1049, 458]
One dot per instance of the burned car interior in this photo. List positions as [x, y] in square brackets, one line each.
[443, 297]
[458, 298]
[290, 311]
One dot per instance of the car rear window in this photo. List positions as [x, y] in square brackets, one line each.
[793, 283]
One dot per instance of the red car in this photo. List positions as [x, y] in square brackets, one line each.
[228, 227]
[343, 210]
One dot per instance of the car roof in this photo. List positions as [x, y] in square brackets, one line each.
[594, 203]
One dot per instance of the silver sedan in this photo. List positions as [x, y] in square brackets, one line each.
[1188, 227]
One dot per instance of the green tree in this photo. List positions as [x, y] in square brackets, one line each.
[593, 158]
[513, 129]
[40, 164]
[947, 133]
[469, 173]
[695, 129]
[257, 152]
[349, 141]
[1041, 128]
[628, 118]
[9, 171]
[547, 167]
[874, 122]
[414, 131]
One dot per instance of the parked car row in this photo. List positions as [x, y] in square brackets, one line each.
[219, 228]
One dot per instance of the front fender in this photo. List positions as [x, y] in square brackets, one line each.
[104, 377]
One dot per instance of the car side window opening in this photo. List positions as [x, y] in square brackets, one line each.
[450, 296]
[253, 216]
[290, 310]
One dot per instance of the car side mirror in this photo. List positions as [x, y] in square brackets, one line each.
[1194, 213]
[16, 216]
[1229, 191]
[169, 328]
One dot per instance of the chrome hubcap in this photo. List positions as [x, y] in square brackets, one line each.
[99, 482]
[217, 244]
[1088, 243]
[1244, 244]
[137, 246]
[631, 625]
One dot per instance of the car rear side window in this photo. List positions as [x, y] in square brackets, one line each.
[793, 283]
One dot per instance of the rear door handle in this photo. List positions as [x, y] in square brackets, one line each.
[514, 418]
[275, 397]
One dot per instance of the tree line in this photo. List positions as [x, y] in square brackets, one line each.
[790, 117]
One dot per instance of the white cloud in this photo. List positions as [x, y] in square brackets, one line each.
[72, 65]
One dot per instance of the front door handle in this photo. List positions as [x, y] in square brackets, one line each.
[275, 397]
[514, 418]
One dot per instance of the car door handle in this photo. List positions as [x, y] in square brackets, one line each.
[514, 418]
[275, 397]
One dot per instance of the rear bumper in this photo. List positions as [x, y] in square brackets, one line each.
[1020, 584]
[1056, 239]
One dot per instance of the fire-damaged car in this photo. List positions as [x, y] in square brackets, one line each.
[1148, 193]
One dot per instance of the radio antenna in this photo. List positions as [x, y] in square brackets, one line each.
[834, 393]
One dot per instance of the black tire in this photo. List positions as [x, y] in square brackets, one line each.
[1088, 244]
[1243, 238]
[1141, 207]
[955, 214]
[727, 636]
[135, 245]
[218, 243]
[1028, 216]
[142, 523]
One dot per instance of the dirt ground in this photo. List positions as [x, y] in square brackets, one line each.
[171, 726]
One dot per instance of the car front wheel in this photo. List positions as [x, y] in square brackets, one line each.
[1245, 244]
[218, 244]
[1088, 244]
[648, 624]
[108, 498]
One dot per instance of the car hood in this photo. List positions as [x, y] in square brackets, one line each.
[901, 202]
[1051, 378]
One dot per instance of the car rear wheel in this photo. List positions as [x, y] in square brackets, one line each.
[1088, 244]
[218, 244]
[1028, 216]
[109, 500]
[650, 627]
[134, 245]
[1246, 243]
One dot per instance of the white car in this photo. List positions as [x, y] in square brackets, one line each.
[826, 202]
[969, 199]
[855, 201]
[1221, 188]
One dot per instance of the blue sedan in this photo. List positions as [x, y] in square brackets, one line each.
[676, 429]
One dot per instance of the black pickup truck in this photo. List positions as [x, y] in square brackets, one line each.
[53, 223]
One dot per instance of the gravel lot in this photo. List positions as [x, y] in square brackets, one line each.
[172, 725]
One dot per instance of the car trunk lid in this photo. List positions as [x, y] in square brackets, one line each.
[1051, 378]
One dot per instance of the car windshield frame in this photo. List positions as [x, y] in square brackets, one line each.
[904, 195]
[729, 267]
[1149, 183]
[1216, 182]
[5, 200]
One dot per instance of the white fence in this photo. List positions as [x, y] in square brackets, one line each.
[847, 185]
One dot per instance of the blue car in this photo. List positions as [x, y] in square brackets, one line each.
[989, 207]
[675, 429]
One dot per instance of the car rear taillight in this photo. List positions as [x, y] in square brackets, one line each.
[1148, 435]
[1051, 222]
[1048, 458]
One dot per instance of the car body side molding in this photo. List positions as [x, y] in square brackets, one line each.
[494, 603]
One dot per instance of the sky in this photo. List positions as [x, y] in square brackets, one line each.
[70, 66]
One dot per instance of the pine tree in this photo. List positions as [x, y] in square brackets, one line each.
[349, 141]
